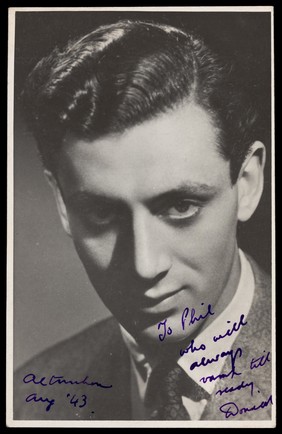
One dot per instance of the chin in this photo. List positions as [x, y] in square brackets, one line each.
[151, 335]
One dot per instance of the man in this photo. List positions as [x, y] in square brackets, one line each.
[154, 155]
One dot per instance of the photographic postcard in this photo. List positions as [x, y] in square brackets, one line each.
[141, 217]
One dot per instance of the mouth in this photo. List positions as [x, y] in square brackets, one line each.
[153, 310]
[161, 305]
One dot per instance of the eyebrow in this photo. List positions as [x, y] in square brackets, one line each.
[188, 189]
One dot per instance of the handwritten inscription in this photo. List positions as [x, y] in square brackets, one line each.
[192, 347]
[206, 361]
[206, 358]
[235, 328]
[166, 330]
[33, 397]
[78, 401]
[211, 378]
[188, 318]
[231, 389]
[232, 409]
[260, 361]
[190, 314]
[59, 379]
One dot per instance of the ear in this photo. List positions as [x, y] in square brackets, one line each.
[59, 201]
[250, 181]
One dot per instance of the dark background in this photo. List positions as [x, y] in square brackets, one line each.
[53, 298]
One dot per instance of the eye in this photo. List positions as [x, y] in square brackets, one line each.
[102, 215]
[182, 209]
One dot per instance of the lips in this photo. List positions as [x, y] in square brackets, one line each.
[162, 304]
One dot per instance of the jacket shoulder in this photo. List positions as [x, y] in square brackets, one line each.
[82, 365]
[260, 314]
[76, 349]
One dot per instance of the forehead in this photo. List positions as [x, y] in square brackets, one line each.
[154, 156]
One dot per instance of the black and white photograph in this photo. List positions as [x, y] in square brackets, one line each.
[141, 221]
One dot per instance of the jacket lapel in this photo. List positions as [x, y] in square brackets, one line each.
[114, 366]
[254, 340]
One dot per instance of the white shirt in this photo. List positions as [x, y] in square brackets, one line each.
[141, 369]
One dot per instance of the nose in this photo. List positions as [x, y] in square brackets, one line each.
[151, 256]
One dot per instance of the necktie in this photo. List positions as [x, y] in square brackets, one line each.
[171, 387]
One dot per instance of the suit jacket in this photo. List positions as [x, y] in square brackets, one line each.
[98, 354]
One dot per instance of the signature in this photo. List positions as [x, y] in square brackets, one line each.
[231, 408]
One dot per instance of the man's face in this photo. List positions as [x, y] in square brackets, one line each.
[153, 216]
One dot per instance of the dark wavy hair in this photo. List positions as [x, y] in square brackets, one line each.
[123, 74]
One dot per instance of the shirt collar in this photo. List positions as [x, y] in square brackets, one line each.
[240, 304]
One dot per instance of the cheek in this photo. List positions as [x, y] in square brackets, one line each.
[211, 241]
[96, 253]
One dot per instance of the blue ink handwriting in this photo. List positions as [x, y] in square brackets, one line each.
[166, 330]
[192, 348]
[74, 401]
[260, 361]
[187, 312]
[211, 378]
[188, 318]
[205, 361]
[239, 387]
[193, 317]
[59, 379]
[35, 398]
[235, 328]
[82, 400]
[231, 408]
